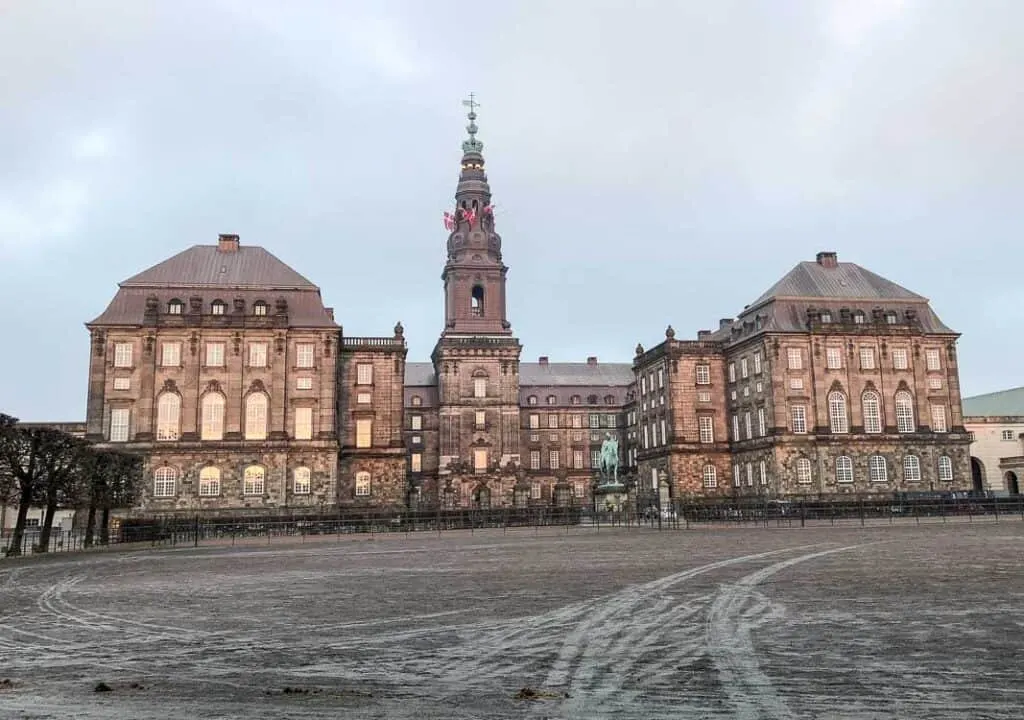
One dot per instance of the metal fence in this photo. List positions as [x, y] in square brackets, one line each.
[60, 541]
[791, 512]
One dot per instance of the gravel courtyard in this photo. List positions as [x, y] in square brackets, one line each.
[902, 621]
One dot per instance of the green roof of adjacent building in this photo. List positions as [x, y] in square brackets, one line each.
[1005, 403]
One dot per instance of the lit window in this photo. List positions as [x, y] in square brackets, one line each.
[364, 374]
[796, 383]
[256, 416]
[259, 308]
[362, 484]
[479, 460]
[304, 353]
[416, 422]
[826, 317]
[253, 480]
[218, 307]
[480, 419]
[858, 318]
[877, 469]
[209, 482]
[364, 432]
[212, 427]
[364, 398]
[301, 481]
[416, 462]
[164, 480]
[168, 416]
[479, 387]
[534, 422]
[552, 422]
[175, 307]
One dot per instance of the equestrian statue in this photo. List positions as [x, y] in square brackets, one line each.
[610, 460]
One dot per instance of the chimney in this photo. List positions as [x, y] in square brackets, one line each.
[724, 323]
[227, 243]
[330, 313]
[827, 259]
[703, 334]
[543, 360]
[592, 360]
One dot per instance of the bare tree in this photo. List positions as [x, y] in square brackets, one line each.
[20, 455]
[64, 472]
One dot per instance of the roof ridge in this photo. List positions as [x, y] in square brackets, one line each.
[994, 392]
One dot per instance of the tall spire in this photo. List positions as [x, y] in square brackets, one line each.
[472, 145]
[472, 178]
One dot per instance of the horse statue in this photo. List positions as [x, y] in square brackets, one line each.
[610, 459]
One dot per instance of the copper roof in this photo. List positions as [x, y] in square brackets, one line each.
[846, 280]
[208, 266]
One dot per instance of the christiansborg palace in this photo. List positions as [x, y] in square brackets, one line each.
[223, 367]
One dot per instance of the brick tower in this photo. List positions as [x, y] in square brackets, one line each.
[476, 359]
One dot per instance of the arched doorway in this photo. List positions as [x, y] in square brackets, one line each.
[1012, 485]
[977, 475]
[483, 498]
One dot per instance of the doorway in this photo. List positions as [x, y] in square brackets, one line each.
[1012, 485]
[977, 475]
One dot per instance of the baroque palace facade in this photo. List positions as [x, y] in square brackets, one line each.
[223, 367]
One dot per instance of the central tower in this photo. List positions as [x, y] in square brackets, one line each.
[476, 359]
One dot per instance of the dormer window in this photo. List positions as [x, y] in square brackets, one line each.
[826, 317]
[259, 308]
[552, 399]
[858, 317]
[591, 399]
[609, 399]
[219, 307]
[890, 318]
[531, 400]
[575, 400]
[175, 307]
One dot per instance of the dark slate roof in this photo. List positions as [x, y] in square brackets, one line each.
[844, 281]
[1005, 403]
[419, 374]
[577, 374]
[207, 266]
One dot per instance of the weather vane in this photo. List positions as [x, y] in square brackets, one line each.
[472, 104]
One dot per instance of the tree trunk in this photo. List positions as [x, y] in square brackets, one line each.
[90, 525]
[24, 501]
[105, 527]
[47, 527]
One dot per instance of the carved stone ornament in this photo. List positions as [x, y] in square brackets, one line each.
[148, 344]
[99, 343]
[237, 343]
[170, 386]
[279, 344]
[213, 386]
[257, 386]
[193, 344]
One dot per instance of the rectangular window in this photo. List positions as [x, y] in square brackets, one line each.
[364, 433]
[758, 387]
[577, 421]
[735, 427]
[757, 363]
[535, 459]
[704, 396]
[577, 459]
[798, 417]
[899, 359]
[743, 368]
[643, 386]
[170, 354]
[938, 418]
[534, 422]
[803, 470]
[703, 374]
[595, 458]
[302, 481]
[535, 490]
[364, 374]
[416, 422]
[257, 355]
[661, 377]
[796, 359]
[479, 387]
[647, 443]
[209, 483]
[304, 354]
[1007, 435]
[479, 460]
[736, 476]
[706, 428]
[732, 372]
[664, 433]
[480, 418]
[304, 383]
[577, 436]
[362, 484]
[214, 354]
[934, 383]
[748, 425]
[122, 383]
[119, 424]
[553, 459]
[763, 471]
[867, 358]
[760, 422]
[416, 462]
[796, 383]
[303, 423]
[123, 355]
[834, 358]
[552, 422]
[750, 474]
[595, 421]
[931, 359]
[364, 398]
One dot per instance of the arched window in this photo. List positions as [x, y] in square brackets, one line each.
[259, 308]
[362, 484]
[575, 400]
[416, 401]
[891, 318]
[591, 399]
[877, 469]
[209, 481]
[552, 400]
[945, 468]
[904, 412]
[254, 480]
[212, 417]
[871, 404]
[301, 481]
[609, 399]
[911, 468]
[168, 416]
[858, 317]
[256, 416]
[710, 476]
[844, 469]
[532, 400]
[838, 419]
[476, 301]
[803, 470]
[175, 307]
[164, 480]
[218, 307]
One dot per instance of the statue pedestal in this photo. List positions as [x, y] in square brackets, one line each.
[609, 496]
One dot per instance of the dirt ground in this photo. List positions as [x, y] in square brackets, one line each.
[903, 621]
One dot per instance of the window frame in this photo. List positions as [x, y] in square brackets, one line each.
[161, 484]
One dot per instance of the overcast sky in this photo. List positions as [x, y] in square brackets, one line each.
[652, 162]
